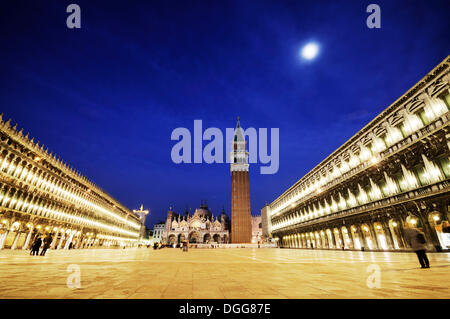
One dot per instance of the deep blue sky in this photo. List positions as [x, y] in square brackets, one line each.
[107, 97]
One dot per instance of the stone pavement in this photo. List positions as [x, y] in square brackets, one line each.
[222, 273]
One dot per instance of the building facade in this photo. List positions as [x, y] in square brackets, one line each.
[241, 229]
[394, 171]
[265, 221]
[42, 195]
[201, 227]
[256, 230]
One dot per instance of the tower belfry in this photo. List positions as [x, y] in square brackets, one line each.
[241, 219]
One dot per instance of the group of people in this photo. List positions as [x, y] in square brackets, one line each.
[45, 242]
[38, 242]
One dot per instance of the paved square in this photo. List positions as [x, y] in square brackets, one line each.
[221, 273]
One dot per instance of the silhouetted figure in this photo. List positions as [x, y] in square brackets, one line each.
[36, 245]
[416, 240]
[71, 245]
[47, 243]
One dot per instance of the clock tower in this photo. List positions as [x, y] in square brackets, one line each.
[241, 219]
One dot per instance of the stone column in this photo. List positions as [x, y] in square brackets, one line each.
[63, 236]
[325, 239]
[351, 244]
[341, 238]
[351, 236]
[362, 238]
[374, 236]
[387, 232]
[430, 233]
[401, 232]
[3, 239]
[332, 243]
[16, 239]
[55, 239]
[27, 241]
[72, 233]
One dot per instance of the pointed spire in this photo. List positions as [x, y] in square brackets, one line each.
[238, 132]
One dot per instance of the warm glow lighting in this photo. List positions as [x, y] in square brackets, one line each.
[436, 218]
[394, 224]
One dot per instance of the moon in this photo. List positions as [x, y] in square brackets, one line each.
[310, 51]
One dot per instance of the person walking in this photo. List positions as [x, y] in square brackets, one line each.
[416, 240]
[47, 242]
[36, 245]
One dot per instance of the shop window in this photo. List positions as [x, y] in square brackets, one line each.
[446, 99]
[420, 173]
[444, 164]
[423, 117]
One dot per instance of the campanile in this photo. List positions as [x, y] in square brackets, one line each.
[241, 219]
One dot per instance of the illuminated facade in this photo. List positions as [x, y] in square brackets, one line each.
[241, 218]
[200, 228]
[41, 194]
[256, 230]
[394, 171]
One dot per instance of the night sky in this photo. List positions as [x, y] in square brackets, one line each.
[106, 97]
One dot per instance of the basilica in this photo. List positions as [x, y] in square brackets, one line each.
[200, 227]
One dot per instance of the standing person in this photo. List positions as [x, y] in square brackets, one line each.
[36, 245]
[47, 242]
[416, 240]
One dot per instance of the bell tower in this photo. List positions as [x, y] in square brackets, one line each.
[241, 219]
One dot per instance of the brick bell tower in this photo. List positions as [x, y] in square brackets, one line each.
[241, 219]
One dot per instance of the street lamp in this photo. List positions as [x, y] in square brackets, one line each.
[142, 213]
